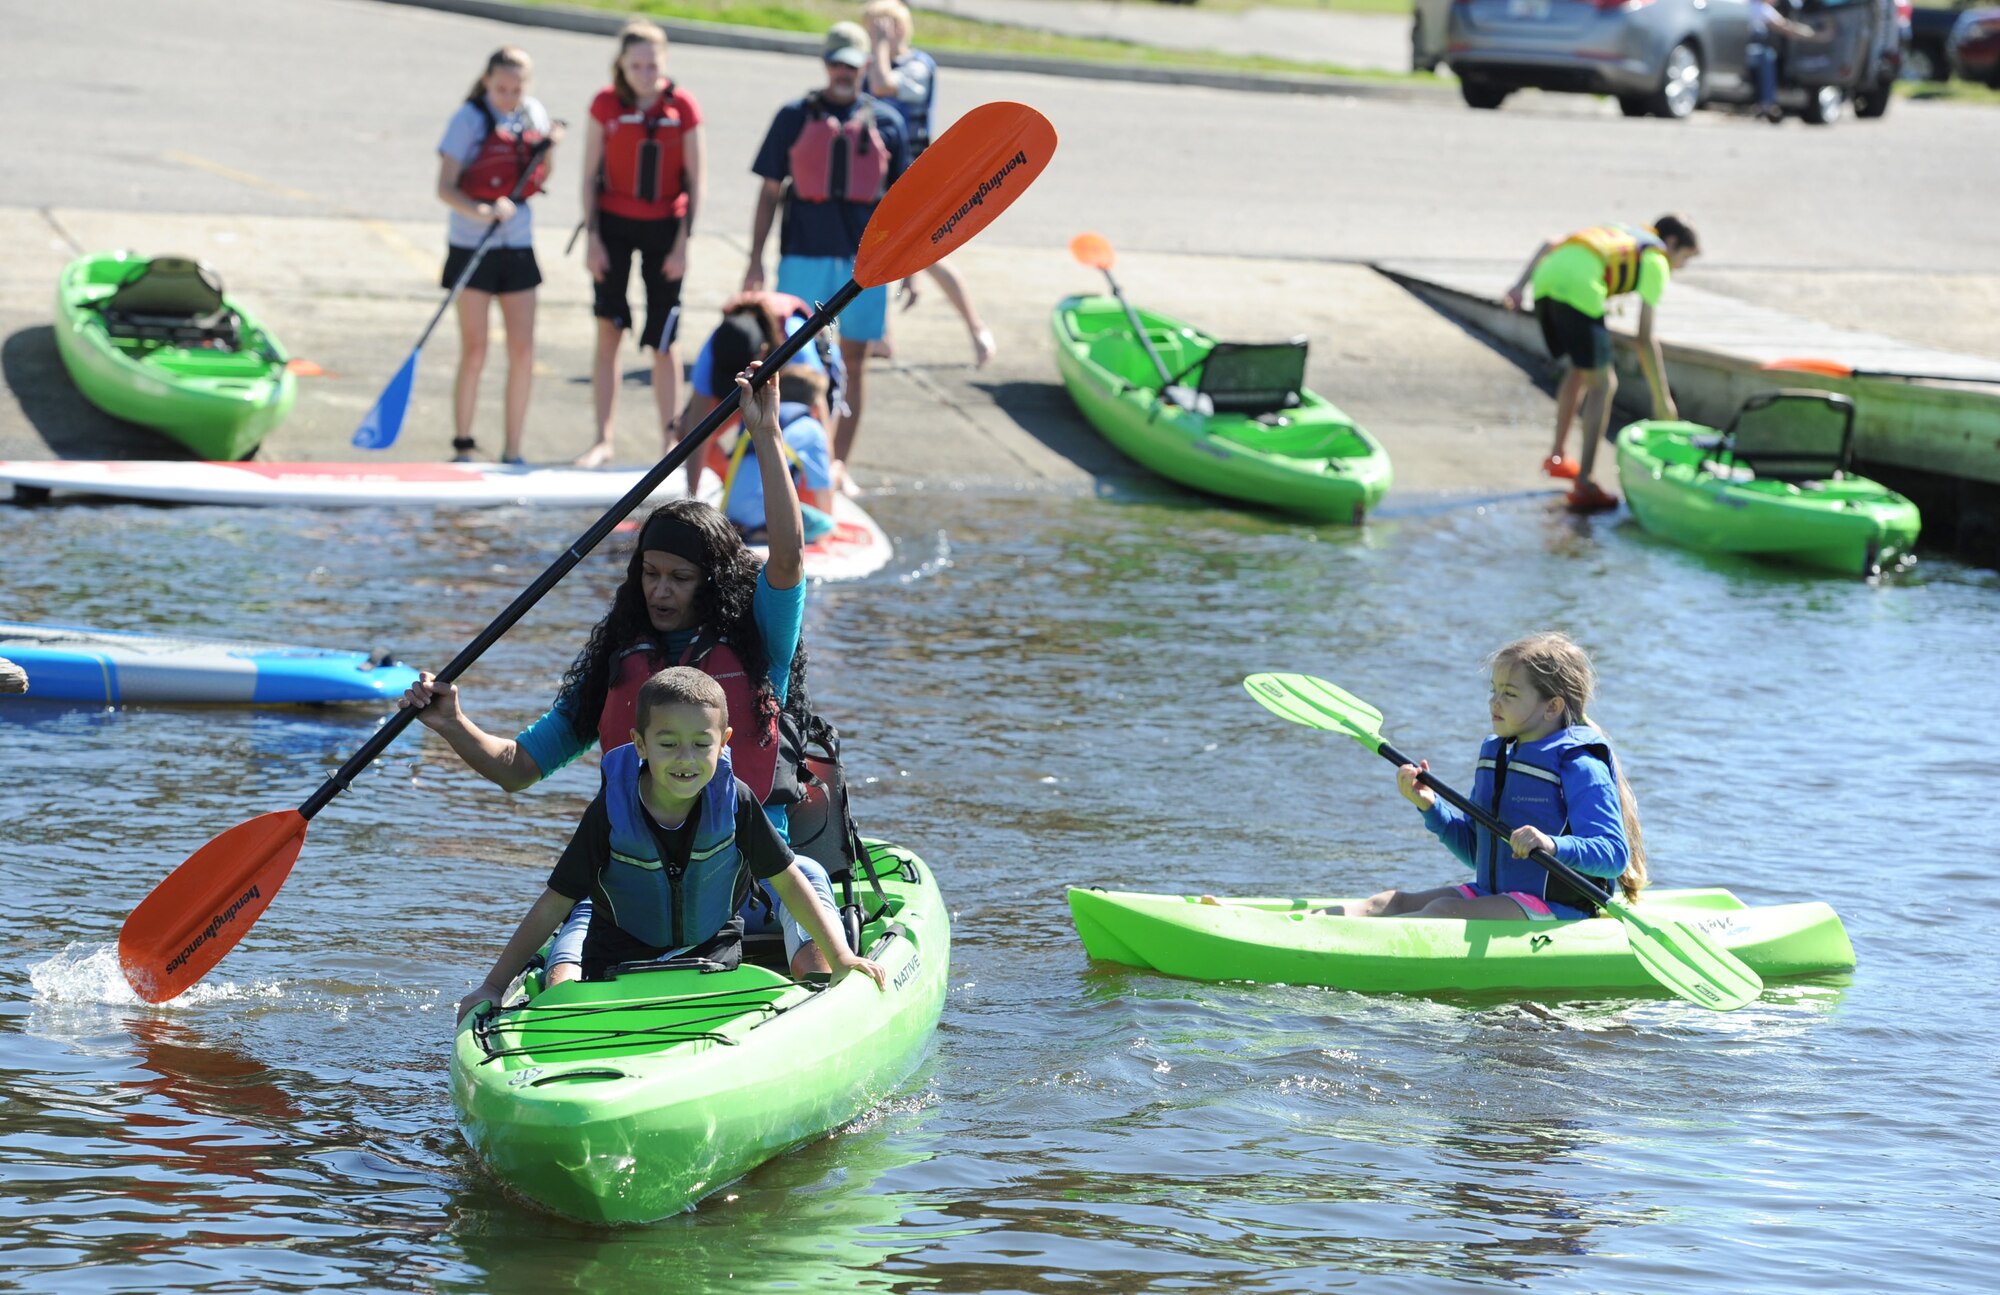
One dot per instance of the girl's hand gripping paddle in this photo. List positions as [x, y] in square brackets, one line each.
[1683, 958]
[967, 177]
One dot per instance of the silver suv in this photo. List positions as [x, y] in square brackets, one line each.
[1668, 57]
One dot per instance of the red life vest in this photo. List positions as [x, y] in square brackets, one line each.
[501, 160]
[754, 746]
[624, 175]
[839, 161]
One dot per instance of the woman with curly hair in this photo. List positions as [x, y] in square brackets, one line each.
[693, 595]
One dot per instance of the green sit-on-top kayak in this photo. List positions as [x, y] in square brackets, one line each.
[155, 342]
[1237, 422]
[628, 1099]
[1773, 490]
[1277, 941]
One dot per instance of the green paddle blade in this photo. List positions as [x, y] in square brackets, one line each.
[1687, 960]
[1316, 703]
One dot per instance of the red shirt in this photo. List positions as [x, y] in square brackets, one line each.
[667, 122]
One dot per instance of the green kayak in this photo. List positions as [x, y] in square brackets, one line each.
[1242, 427]
[1276, 941]
[1773, 485]
[155, 342]
[629, 1099]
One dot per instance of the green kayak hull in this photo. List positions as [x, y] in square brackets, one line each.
[630, 1099]
[1276, 941]
[1316, 465]
[1851, 525]
[218, 403]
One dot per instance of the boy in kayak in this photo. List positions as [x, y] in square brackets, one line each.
[1548, 770]
[667, 851]
[1573, 282]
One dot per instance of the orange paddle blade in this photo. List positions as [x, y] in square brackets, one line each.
[966, 178]
[1093, 250]
[1825, 368]
[204, 906]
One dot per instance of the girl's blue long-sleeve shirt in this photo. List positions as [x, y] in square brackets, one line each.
[1561, 784]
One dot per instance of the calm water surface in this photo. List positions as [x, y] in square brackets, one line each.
[1040, 691]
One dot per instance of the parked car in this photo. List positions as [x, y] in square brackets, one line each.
[1974, 48]
[1930, 30]
[1668, 57]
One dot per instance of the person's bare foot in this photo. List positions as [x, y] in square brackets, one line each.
[983, 348]
[595, 457]
[842, 482]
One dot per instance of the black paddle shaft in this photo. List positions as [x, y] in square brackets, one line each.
[1500, 829]
[379, 741]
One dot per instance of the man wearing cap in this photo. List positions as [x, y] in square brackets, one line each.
[828, 157]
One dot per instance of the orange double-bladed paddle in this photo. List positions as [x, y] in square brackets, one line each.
[967, 177]
[1094, 250]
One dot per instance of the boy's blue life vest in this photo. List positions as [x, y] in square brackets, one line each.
[839, 161]
[1522, 787]
[669, 903]
[1621, 248]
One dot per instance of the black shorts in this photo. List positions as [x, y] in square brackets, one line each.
[652, 240]
[501, 270]
[1570, 333]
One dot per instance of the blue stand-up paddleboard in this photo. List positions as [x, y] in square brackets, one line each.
[68, 663]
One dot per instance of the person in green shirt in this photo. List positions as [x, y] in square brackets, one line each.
[1572, 282]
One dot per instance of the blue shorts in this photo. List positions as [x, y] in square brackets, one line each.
[817, 278]
[568, 944]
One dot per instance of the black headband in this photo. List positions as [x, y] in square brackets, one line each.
[667, 533]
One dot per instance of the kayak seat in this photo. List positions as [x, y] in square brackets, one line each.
[170, 299]
[1769, 437]
[1248, 378]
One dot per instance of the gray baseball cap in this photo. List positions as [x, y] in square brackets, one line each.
[846, 43]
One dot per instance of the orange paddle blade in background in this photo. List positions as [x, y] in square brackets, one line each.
[964, 180]
[1825, 368]
[204, 906]
[1093, 250]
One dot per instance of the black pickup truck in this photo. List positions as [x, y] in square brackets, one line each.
[1929, 27]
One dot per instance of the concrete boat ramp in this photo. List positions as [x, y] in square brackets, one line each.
[1927, 421]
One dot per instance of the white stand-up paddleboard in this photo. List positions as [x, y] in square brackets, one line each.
[854, 548]
[330, 485]
[70, 663]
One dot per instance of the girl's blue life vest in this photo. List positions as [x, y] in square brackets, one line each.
[669, 903]
[1522, 787]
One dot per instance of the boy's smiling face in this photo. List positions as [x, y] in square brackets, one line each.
[682, 744]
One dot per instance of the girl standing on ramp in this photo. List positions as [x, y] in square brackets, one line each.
[487, 145]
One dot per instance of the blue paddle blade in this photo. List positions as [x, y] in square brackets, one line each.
[378, 431]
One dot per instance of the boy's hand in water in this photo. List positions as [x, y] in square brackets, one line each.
[1413, 791]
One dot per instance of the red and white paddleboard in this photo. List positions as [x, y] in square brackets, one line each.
[854, 548]
[331, 485]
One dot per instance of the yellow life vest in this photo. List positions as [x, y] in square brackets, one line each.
[1621, 248]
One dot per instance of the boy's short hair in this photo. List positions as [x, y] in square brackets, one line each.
[1672, 229]
[801, 384]
[679, 686]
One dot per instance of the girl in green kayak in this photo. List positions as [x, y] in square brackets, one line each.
[1548, 770]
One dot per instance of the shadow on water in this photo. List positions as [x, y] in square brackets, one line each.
[70, 426]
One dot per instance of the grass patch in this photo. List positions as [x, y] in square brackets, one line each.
[943, 31]
[1952, 91]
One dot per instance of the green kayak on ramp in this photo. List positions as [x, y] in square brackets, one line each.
[1237, 422]
[629, 1099]
[154, 341]
[1777, 483]
[1276, 941]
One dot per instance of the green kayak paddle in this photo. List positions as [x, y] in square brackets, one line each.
[1686, 960]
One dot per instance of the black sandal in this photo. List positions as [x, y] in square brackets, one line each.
[463, 447]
